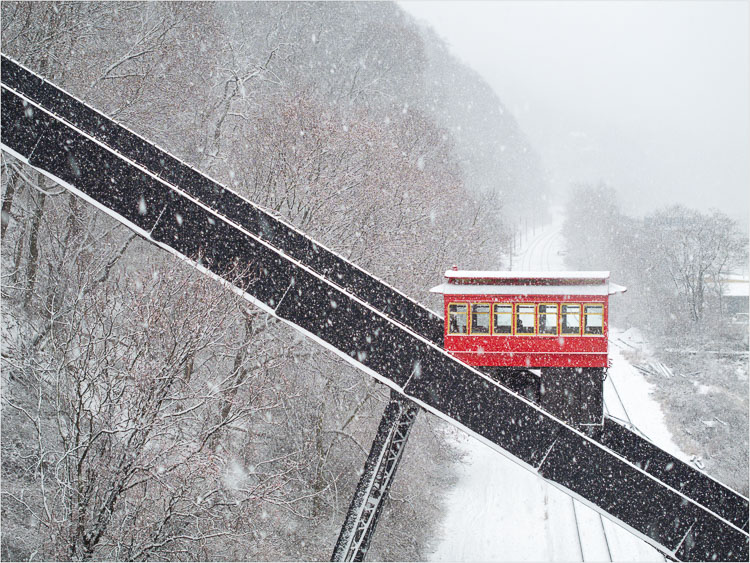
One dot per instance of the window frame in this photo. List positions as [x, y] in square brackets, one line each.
[584, 317]
[492, 319]
[580, 319]
[515, 319]
[466, 304]
[489, 314]
[539, 314]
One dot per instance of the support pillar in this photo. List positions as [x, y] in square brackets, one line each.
[373, 487]
[574, 395]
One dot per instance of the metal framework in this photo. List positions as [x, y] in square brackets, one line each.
[682, 512]
[372, 490]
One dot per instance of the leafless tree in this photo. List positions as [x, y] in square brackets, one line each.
[152, 415]
[698, 250]
[134, 405]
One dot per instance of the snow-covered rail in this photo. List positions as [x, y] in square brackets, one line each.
[680, 511]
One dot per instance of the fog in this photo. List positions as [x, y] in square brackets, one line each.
[651, 98]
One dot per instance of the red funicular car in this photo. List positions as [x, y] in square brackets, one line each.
[543, 334]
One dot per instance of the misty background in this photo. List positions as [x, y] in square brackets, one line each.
[649, 97]
[406, 154]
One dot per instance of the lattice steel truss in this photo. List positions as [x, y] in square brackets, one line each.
[372, 490]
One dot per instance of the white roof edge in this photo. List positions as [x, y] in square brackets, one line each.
[525, 274]
[615, 288]
[456, 289]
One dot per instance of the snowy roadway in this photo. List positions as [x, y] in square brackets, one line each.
[499, 511]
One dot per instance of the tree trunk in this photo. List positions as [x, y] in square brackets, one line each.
[31, 265]
[8, 201]
[240, 372]
[320, 454]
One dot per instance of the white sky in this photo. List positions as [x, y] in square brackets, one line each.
[651, 97]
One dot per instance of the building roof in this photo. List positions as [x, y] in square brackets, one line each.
[735, 285]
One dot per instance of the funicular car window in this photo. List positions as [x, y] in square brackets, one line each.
[480, 318]
[503, 319]
[457, 317]
[570, 322]
[525, 319]
[593, 319]
[548, 319]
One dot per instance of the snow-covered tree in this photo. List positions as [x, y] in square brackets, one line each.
[697, 250]
[321, 112]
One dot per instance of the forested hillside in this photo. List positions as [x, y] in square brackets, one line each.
[676, 263]
[147, 412]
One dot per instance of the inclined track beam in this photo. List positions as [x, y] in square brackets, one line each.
[163, 167]
[222, 201]
[400, 356]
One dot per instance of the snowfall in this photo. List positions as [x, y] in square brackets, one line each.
[500, 511]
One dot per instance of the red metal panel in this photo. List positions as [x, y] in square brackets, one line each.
[536, 350]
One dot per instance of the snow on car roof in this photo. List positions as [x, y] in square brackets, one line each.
[477, 282]
[471, 274]
[461, 289]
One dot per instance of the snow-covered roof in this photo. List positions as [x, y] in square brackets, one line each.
[477, 282]
[735, 286]
[498, 274]
[460, 289]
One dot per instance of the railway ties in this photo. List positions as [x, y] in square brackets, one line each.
[684, 514]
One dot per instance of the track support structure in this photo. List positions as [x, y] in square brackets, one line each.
[372, 490]
[681, 511]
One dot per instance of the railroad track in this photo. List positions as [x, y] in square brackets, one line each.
[610, 382]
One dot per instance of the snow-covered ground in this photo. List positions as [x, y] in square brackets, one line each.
[499, 511]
